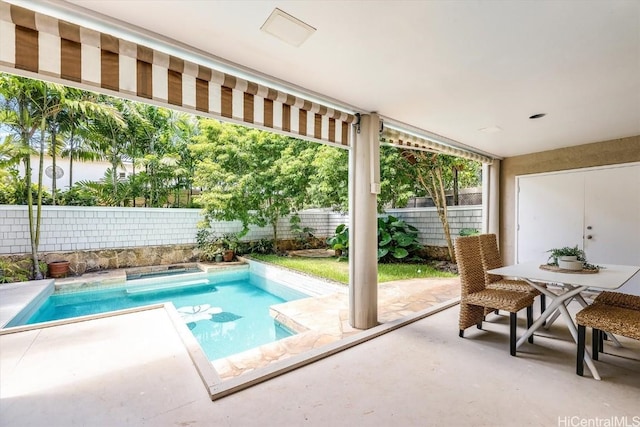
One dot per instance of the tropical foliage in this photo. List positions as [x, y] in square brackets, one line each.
[397, 240]
[163, 158]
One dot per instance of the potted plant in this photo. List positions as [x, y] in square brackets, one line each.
[58, 269]
[218, 257]
[229, 245]
[340, 241]
[565, 254]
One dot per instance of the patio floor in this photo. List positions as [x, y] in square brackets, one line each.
[129, 371]
[135, 369]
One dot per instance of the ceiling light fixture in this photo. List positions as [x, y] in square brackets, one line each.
[287, 28]
[538, 116]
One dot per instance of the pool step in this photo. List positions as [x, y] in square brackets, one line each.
[165, 286]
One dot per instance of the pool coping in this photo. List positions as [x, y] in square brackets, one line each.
[274, 369]
[20, 299]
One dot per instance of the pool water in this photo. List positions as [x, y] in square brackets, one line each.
[226, 313]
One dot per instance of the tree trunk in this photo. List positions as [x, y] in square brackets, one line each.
[132, 179]
[434, 185]
[32, 235]
[40, 176]
[274, 225]
[71, 152]
[53, 165]
[456, 200]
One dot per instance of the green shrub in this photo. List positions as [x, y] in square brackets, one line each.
[397, 240]
[12, 272]
[303, 235]
[209, 244]
[340, 241]
[77, 196]
[469, 232]
[262, 247]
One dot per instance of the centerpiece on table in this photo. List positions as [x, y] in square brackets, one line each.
[570, 258]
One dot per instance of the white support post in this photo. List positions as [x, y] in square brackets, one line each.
[491, 197]
[364, 161]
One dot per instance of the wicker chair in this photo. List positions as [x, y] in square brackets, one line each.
[618, 299]
[622, 319]
[475, 297]
[491, 259]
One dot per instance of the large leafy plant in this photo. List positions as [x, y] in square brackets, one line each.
[339, 242]
[397, 240]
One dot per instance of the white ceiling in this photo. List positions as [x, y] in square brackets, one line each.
[448, 67]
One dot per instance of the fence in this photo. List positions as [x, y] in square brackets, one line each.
[76, 228]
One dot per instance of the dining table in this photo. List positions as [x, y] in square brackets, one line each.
[570, 284]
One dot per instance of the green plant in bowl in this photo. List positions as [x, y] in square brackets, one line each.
[558, 253]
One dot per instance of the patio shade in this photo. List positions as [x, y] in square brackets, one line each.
[52, 48]
[405, 140]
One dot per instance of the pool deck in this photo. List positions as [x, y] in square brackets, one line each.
[322, 320]
[155, 336]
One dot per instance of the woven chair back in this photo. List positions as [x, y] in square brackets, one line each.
[467, 251]
[490, 256]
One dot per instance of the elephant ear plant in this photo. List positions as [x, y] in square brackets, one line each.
[339, 242]
[397, 240]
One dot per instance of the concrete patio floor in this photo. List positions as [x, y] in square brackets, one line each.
[131, 371]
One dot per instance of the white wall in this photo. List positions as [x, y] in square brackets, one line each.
[70, 228]
[82, 171]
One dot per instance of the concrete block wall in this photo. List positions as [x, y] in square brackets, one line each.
[74, 228]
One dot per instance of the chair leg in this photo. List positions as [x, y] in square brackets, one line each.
[479, 325]
[543, 306]
[461, 333]
[513, 320]
[530, 321]
[596, 343]
[580, 352]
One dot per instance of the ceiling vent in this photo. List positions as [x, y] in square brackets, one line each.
[287, 28]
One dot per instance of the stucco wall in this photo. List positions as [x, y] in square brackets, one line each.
[625, 150]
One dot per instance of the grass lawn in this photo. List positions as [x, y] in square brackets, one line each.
[330, 268]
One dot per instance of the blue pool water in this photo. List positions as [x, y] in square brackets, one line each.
[226, 312]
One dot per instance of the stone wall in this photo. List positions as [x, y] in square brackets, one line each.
[93, 260]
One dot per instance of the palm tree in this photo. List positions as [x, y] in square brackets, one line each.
[26, 106]
[109, 134]
[73, 124]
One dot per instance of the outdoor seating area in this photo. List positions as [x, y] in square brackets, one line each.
[610, 313]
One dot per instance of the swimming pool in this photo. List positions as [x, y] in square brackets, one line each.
[227, 312]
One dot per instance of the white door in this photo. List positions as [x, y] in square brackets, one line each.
[550, 213]
[612, 219]
[596, 209]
